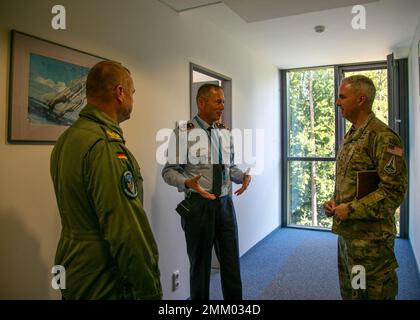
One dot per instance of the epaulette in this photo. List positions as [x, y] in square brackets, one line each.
[112, 135]
[220, 125]
[190, 126]
[186, 126]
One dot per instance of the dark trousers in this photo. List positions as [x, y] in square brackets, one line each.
[212, 222]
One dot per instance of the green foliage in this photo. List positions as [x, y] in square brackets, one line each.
[300, 142]
[300, 195]
[311, 89]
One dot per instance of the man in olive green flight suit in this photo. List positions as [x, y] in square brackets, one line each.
[371, 181]
[106, 244]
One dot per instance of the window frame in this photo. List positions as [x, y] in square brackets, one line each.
[339, 70]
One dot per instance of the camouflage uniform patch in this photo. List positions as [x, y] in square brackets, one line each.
[390, 167]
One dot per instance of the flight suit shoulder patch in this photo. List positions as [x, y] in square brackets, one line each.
[128, 185]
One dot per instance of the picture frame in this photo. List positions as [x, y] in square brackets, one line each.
[47, 88]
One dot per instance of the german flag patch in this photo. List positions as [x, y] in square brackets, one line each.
[121, 155]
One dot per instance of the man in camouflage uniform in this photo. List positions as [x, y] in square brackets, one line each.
[371, 154]
[106, 244]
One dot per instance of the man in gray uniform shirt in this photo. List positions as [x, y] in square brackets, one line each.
[208, 215]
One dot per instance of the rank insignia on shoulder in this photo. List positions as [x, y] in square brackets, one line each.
[113, 135]
[183, 126]
[121, 155]
[128, 185]
[393, 149]
[220, 125]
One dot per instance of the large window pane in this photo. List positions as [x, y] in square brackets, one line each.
[311, 184]
[311, 113]
[310, 135]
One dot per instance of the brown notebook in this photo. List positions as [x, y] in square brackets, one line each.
[367, 182]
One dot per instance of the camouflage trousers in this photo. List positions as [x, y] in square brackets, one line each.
[366, 269]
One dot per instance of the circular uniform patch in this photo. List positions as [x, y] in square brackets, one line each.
[128, 185]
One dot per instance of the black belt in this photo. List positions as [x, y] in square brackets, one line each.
[197, 196]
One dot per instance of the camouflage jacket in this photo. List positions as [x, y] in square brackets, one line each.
[372, 147]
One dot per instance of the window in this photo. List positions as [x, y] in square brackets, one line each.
[312, 130]
[310, 145]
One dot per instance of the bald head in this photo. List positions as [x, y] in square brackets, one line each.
[103, 77]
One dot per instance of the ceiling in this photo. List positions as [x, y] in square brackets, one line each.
[184, 5]
[259, 10]
[282, 31]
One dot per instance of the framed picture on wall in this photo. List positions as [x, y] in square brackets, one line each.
[47, 88]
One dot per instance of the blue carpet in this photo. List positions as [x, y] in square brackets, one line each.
[296, 264]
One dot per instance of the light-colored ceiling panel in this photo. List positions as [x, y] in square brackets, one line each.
[258, 10]
[184, 5]
[290, 42]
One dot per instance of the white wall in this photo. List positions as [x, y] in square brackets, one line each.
[157, 44]
[414, 116]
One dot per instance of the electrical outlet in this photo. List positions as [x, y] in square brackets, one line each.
[175, 280]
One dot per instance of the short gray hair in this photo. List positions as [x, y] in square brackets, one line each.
[362, 85]
[203, 91]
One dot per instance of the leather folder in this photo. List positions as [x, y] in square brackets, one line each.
[367, 182]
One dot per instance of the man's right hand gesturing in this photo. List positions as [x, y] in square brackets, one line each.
[192, 183]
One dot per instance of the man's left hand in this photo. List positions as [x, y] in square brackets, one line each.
[245, 183]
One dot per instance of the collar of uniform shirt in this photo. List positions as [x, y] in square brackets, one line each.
[203, 125]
